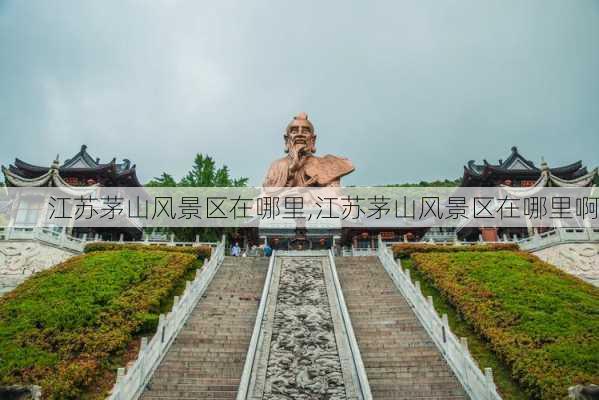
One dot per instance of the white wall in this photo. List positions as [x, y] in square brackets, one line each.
[578, 259]
[21, 259]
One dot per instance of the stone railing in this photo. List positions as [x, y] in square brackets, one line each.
[130, 382]
[356, 358]
[477, 384]
[44, 235]
[302, 253]
[435, 236]
[558, 236]
[163, 240]
[62, 240]
[358, 251]
[244, 385]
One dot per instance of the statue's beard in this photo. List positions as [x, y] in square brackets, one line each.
[297, 153]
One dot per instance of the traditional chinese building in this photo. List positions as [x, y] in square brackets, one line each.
[80, 170]
[518, 171]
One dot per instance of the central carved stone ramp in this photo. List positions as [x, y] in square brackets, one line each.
[206, 359]
[304, 349]
[400, 359]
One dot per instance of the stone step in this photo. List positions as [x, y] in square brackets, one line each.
[208, 394]
[197, 381]
[194, 387]
[206, 359]
[401, 360]
[201, 373]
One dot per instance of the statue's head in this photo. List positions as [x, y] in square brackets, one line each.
[299, 135]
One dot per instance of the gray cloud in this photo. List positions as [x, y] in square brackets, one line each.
[408, 90]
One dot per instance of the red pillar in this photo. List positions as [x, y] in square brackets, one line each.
[489, 234]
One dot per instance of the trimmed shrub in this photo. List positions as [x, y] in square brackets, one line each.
[68, 327]
[199, 251]
[403, 250]
[542, 322]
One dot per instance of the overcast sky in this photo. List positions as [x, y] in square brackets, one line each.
[408, 90]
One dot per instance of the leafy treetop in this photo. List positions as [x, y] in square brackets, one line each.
[203, 174]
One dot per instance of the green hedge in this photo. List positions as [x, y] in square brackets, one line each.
[67, 328]
[199, 251]
[403, 250]
[541, 321]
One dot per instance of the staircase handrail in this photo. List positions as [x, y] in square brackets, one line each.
[353, 344]
[131, 382]
[248, 367]
[477, 384]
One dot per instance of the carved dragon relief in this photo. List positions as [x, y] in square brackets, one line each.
[303, 358]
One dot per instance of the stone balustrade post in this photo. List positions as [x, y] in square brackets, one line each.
[63, 237]
[143, 344]
[489, 382]
[445, 329]
[120, 374]
[431, 302]
[464, 343]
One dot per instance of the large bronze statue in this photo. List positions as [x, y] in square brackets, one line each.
[301, 167]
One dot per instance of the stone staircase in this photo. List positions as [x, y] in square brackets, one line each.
[206, 359]
[401, 360]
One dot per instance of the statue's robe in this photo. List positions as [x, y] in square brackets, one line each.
[314, 171]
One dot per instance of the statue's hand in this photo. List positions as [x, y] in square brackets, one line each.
[313, 179]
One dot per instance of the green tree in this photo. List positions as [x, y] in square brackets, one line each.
[164, 180]
[437, 183]
[203, 173]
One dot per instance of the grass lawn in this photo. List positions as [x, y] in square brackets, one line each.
[479, 348]
[69, 327]
[538, 320]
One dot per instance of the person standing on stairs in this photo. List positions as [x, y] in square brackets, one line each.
[267, 250]
[235, 250]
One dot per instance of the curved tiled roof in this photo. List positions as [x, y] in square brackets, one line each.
[519, 167]
[81, 165]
